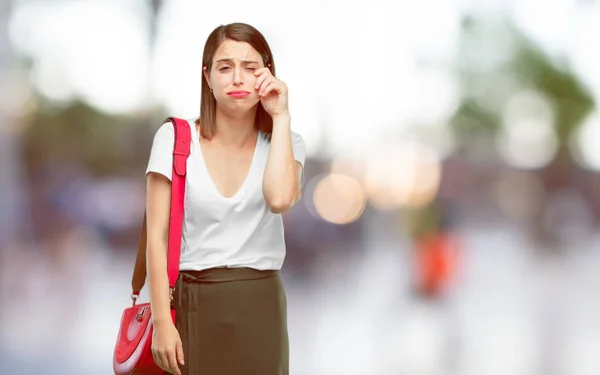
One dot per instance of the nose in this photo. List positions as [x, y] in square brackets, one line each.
[237, 76]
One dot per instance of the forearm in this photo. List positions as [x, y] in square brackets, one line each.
[158, 280]
[280, 182]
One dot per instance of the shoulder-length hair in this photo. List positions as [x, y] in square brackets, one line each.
[239, 32]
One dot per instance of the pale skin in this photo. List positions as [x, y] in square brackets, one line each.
[236, 66]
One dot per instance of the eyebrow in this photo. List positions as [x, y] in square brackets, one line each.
[231, 60]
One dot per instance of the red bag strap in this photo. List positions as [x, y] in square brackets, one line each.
[181, 151]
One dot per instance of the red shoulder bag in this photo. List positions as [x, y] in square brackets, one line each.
[133, 350]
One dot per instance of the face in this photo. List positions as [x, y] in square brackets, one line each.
[232, 78]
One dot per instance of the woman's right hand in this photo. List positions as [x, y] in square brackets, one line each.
[167, 349]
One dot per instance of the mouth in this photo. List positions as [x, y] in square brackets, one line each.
[238, 93]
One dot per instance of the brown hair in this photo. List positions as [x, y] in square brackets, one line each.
[240, 32]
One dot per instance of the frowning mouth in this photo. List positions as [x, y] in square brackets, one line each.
[238, 93]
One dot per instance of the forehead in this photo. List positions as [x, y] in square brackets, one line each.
[231, 49]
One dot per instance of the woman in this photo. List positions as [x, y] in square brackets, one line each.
[244, 171]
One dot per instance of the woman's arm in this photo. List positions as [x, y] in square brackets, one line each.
[281, 180]
[158, 206]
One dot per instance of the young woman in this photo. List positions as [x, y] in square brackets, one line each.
[244, 171]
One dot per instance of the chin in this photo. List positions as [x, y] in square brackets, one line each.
[238, 108]
[239, 104]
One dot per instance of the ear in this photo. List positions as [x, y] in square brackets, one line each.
[206, 76]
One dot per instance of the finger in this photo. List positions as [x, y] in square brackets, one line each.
[277, 86]
[179, 352]
[154, 358]
[164, 360]
[264, 85]
[260, 71]
[173, 368]
[268, 89]
[157, 359]
[261, 80]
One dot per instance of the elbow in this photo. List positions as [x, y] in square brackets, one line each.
[279, 203]
[280, 198]
[279, 206]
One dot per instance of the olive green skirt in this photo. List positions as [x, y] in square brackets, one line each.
[232, 321]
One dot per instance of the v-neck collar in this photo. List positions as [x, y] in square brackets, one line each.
[209, 177]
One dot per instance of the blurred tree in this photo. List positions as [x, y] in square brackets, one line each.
[155, 7]
[80, 134]
[495, 62]
[493, 53]
[11, 215]
[572, 100]
[104, 144]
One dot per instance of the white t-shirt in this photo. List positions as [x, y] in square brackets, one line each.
[239, 231]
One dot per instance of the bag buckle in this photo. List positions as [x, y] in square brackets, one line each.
[140, 315]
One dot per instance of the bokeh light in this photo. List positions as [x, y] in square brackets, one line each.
[339, 199]
[527, 139]
[584, 144]
[408, 174]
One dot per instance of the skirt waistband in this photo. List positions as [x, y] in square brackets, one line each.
[225, 274]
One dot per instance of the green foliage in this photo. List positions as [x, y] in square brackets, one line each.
[529, 66]
[80, 134]
[572, 99]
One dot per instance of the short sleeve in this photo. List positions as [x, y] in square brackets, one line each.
[299, 148]
[161, 153]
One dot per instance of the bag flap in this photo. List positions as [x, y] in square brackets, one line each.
[134, 323]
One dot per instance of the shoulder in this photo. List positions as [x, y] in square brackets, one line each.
[296, 137]
[167, 130]
[297, 141]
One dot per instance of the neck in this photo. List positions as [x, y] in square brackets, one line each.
[235, 130]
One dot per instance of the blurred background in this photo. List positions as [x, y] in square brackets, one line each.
[450, 217]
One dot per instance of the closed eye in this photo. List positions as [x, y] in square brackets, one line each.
[225, 68]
